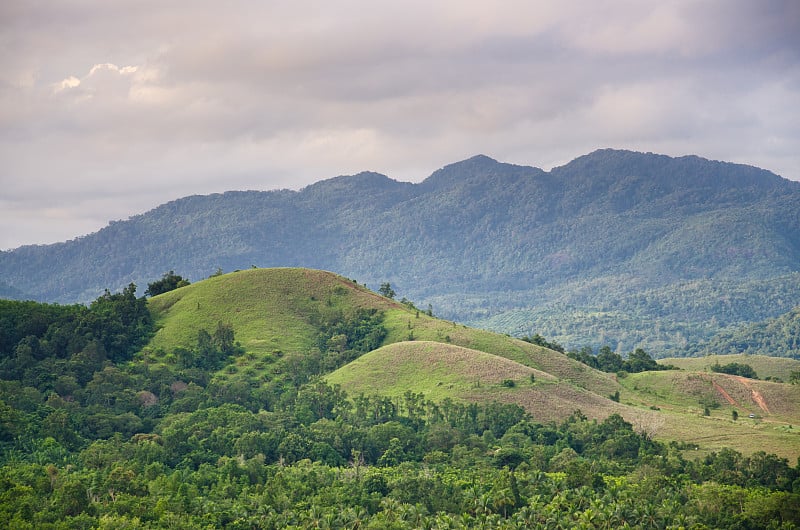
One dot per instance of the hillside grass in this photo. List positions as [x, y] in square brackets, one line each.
[434, 369]
[445, 371]
[406, 324]
[765, 366]
[718, 431]
[681, 398]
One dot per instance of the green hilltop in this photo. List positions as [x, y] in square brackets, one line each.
[271, 310]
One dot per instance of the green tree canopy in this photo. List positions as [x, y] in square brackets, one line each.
[386, 290]
[169, 282]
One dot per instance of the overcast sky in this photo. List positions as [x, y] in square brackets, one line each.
[110, 108]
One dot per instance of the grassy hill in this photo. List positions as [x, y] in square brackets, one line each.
[270, 310]
[444, 371]
[278, 315]
[279, 310]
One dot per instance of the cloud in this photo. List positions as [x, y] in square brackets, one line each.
[100, 77]
[199, 97]
[125, 70]
[70, 82]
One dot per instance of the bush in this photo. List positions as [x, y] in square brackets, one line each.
[741, 369]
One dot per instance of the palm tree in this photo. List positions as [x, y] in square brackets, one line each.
[412, 513]
[503, 499]
[353, 518]
[445, 521]
[391, 507]
[525, 517]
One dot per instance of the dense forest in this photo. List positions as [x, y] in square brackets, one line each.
[630, 250]
[778, 336]
[94, 434]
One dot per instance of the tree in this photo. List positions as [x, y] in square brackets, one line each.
[609, 361]
[640, 361]
[386, 290]
[541, 341]
[169, 282]
[223, 339]
[120, 322]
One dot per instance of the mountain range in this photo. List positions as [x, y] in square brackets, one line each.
[614, 248]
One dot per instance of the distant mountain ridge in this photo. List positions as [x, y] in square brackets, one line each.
[616, 247]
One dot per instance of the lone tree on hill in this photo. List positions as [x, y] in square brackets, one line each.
[169, 282]
[386, 290]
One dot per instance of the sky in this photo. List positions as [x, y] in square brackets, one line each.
[108, 109]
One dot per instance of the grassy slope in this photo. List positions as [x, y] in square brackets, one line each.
[764, 366]
[403, 322]
[272, 310]
[682, 395]
[435, 369]
[442, 371]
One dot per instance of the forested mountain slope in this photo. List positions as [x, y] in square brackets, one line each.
[779, 336]
[619, 248]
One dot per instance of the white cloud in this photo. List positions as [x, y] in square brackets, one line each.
[70, 82]
[112, 67]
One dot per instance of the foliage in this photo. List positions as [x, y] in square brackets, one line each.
[386, 290]
[373, 463]
[212, 351]
[541, 341]
[744, 370]
[779, 336]
[168, 282]
[114, 326]
[347, 337]
[611, 362]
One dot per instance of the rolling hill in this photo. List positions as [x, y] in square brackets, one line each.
[619, 248]
[281, 312]
[279, 316]
[444, 371]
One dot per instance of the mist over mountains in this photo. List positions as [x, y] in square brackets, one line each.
[616, 247]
